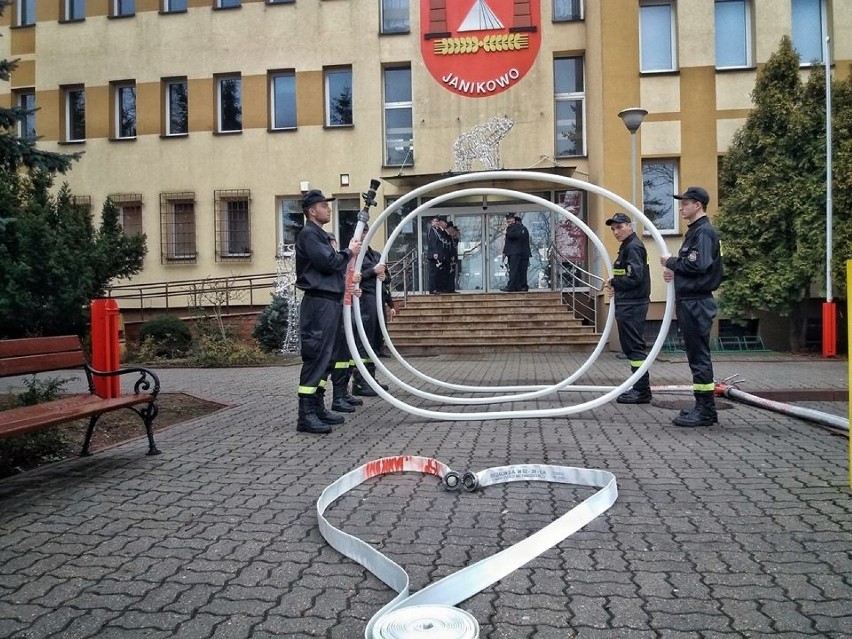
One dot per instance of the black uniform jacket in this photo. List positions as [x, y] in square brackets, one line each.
[439, 243]
[698, 265]
[368, 273]
[319, 268]
[632, 277]
[517, 240]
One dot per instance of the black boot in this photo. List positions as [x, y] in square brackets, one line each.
[639, 394]
[704, 413]
[339, 402]
[361, 387]
[308, 421]
[347, 395]
[322, 413]
[371, 368]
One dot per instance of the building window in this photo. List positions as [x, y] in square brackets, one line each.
[291, 221]
[229, 104]
[83, 204]
[338, 97]
[75, 10]
[26, 102]
[282, 95]
[809, 28]
[395, 17]
[125, 111]
[177, 227]
[122, 8]
[399, 130]
[733, 34]
[567, 10]
[227, 4]
[25, 13]
[347, 219]
[280, 1]
[657, 36]
[176, 111]
[129, 211]
[233, 225]
[174, 6]
[569, 97]
[659, 184]
[75, 114]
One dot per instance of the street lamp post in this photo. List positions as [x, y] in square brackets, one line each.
[632, 119]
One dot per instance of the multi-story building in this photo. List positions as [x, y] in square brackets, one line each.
[204, 120]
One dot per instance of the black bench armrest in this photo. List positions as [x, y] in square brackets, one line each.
[148, 382]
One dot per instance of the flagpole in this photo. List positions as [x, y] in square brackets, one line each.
[829, 314]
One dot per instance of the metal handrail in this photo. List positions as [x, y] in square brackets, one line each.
[579, 296]
[402, 274]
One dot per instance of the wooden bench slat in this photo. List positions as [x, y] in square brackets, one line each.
[28, 418]
[38, 345]
[24, 365]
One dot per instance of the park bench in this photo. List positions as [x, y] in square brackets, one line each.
[44, 354]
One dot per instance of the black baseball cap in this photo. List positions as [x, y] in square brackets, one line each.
[695, 193]
[441, 218]
[511, 216]
[312, 197]
[619, 218]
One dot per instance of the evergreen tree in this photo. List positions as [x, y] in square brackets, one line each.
[772, 195]
[52, 260]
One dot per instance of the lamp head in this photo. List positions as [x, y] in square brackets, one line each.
[633, 118]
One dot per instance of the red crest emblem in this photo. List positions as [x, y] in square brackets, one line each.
[478, 48]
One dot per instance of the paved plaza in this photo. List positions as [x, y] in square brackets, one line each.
[743, 529]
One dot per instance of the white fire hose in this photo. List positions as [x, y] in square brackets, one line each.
[430, 613]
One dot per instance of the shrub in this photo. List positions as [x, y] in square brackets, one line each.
[172, 338]
[214, 352]
[270, 331]
[27, 449]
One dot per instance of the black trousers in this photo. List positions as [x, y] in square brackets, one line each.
[439, 276]
[341, 360]
[630, 319]
[518, 267]
[695, 319]
[319, 322]
[370, 319]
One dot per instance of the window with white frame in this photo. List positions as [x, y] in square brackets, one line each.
[129, 211]
[338, 96]
[399, 128]
[176, 106]
[233, 225]
[569, 108]
[177, 227]
[659, 185]
[809, 29]
[124, 94]
[25, 13]
[75, 10]
[229, 103]
[227, 4]
[657, 36]
[291, 220]
[567, 10]
[174, 6]
[733, 34]
[395, 16]
[75, 113]
[121, 8]
[26, 102]
[282, 96]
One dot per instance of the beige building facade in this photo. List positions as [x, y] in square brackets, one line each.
[206, 119]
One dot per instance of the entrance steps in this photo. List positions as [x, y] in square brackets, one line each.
[487, 322]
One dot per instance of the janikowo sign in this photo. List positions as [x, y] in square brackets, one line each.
[478, 48]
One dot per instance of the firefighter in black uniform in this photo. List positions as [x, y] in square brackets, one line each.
[516, 248]
[631, 289]
[697, 272]
[321, 274]
[439, 246]
[372, 272]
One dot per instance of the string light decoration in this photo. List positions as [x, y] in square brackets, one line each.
[481, 143]
[285, 286]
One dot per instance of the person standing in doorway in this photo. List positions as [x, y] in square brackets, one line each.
[321, 274]
[630, 288]
[438, 245]
[697, 272]
[516, 248]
